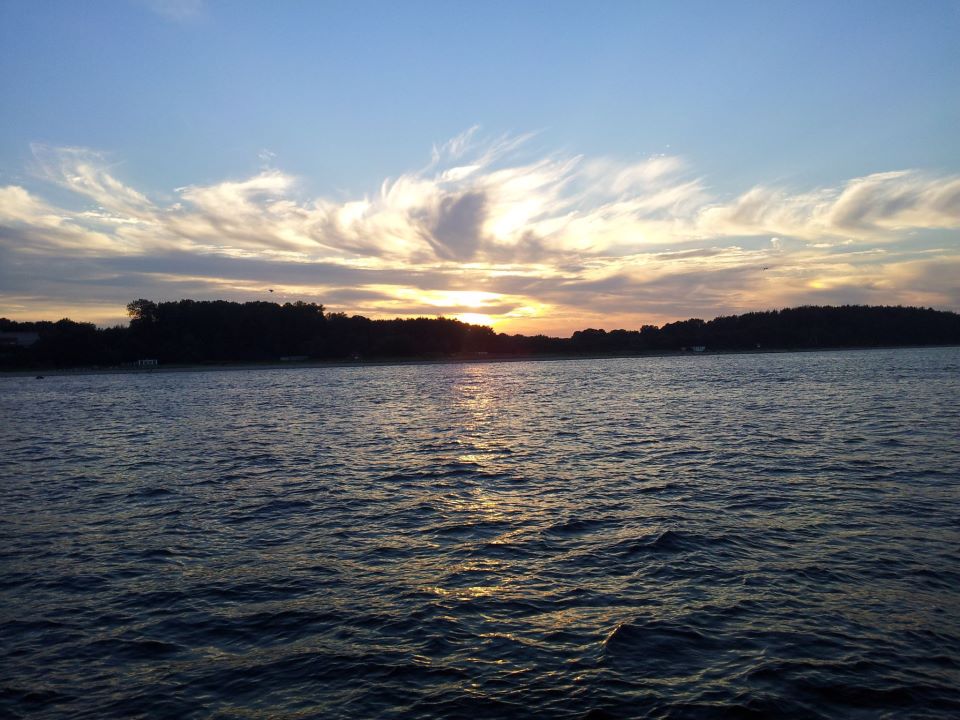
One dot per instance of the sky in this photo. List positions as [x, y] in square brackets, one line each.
[541, 167]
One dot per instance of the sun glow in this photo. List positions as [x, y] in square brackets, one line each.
[475, 319]
[463, 298]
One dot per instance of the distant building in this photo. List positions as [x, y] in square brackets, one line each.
[146, 362]
[294, 358]
[699, 348]
[18, 339]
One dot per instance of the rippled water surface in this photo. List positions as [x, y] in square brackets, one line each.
[717, 536]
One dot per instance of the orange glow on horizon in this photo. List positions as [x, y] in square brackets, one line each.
[475, 319]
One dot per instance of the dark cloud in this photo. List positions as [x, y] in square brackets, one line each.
[678, 294]
[530, 248]
[682, 254]
[426, 310]
[275, 271]
[457, 232]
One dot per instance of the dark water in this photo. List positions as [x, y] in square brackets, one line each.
[741, 536]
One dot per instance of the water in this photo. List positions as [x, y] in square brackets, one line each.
[730, 536]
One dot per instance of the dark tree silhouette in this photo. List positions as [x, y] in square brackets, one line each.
[194, 331]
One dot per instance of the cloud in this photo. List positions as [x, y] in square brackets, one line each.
[87, 173]
[458, 230]
[558, 241]
[30, 225]
[872, 207]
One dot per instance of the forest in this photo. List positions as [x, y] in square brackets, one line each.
[198, 332]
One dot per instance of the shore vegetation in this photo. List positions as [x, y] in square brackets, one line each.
[201, 331]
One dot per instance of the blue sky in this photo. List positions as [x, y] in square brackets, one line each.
[809, 106]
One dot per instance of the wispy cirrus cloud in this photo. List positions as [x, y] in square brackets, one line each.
[88, 173]
[874, 207]
[548, 243]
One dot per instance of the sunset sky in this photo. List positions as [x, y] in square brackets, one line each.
[541, 166]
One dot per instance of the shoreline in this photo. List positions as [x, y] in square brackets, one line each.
[320, 364]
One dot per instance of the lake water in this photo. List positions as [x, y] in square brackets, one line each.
[705, 536]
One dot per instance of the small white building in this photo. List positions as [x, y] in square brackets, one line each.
[146, 362]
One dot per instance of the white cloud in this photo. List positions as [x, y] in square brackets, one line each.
[87, 173]
[871, 207]
[566, 235]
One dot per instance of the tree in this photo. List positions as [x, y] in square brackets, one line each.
[142, 311]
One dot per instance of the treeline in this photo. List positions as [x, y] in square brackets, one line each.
[191, 331]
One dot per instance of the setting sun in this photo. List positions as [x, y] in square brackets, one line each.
[475, 319]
